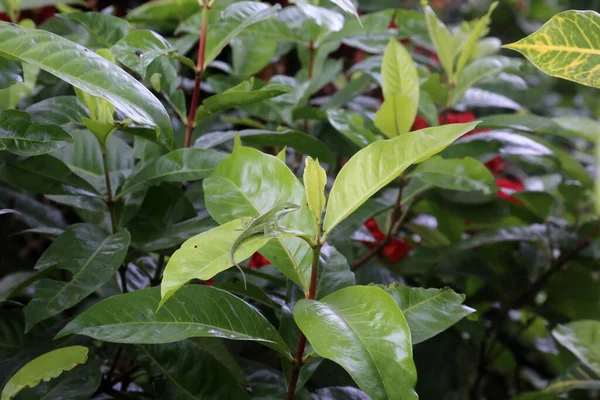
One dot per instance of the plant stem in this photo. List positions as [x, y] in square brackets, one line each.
[191, 122]
[110, 201]
[312, 293]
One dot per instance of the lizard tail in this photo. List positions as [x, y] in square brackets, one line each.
[239, 269]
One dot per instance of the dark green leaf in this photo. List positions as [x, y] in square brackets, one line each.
[60, 110]
[105, 29]
[11, 72]
[87, 71]
[138, 49]
[428, 311]
[334, 272]
[195, 311]
[524, 123]
[90, 255]
[577, 376]
[582, 339]
[466, 174]
[20, 135]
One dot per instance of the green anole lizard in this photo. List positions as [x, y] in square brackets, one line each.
[267, 223]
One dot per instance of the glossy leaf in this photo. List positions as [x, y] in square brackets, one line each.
[180, 165]
[347, 6]
[442, 40]
[248, 183]
[205, 255]
[524, 123]
[90, 254]
[178, 367]
[300, 141]
[477, 71]
[105, 29]
[581, 338]
[466, 174]
[20, 135]
[11, 72]
[469, 47]
[87, 71]
[574, 56]
[315, 180]
[195, 311]
[46, 175]
[428, 311]
[45, 367]
[386, 160]
[362, 329]
[60, 110]
[391, 119]
[353, 126]
[475, 97]
[138, 49]
[334, 272]
[234, 19]
[577, 376]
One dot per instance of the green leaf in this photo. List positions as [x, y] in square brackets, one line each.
[13, 7]
[353, 126]
[91, 255]
[195, 311]
[465, 174]
[248, 59]
[315, 180]
[362, 329]
[20, 135]
[470, 46]
[178, 366]
[399, 77]
[391, 118]
[249, 183]
[585, 128]
[180, 165]
[381, 162]
[300, 141]
[138, 49]
[479, 70]
[581, 338]
[334, 272]
[164, 13]
[428, 311]
[45, 367]
[574, 56]
[87, 71]
[524, 123]
[60, 110]
[347, 6]
[577, 376]
[105, 29]
[11, 72]
[442, 40]
[45, 175]
[205, 255]
[234, 19]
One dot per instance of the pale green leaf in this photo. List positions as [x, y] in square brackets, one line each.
[392, 118]
[375, 166]
[362, 329]
[468, 49]
[443, 42]
[567, 46]
[315, 180]
[43, 368]
[399, 76]
[582, 338]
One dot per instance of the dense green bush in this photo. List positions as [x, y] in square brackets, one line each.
[416, 205]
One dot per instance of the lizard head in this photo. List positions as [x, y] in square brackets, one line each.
[287, 208]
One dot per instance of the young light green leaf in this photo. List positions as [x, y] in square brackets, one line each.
[399, 76]
[195, 311]
[249, 183]
[315, 180]
[465, 174]
[393, 118]
[375, 166]
[428, 311]
[443, 42]
[87, 71]
[574, 56]
[43, 368]
[362, 329]
[581, 338]
[468, 49]
[90, 254]
[205, 255]
[13, 8]
[20, 135]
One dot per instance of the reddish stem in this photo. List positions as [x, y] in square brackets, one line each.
[191, 122]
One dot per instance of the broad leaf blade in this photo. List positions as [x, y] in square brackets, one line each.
[20, 135]
[581, 338]
[375, 166]
[205, 255]
[465, 174]
[362, 329]
[105, 29]
[138, 49]
[428, 311]
[45, 367]
[11, 72]
[90, 255]
[574, 56]
[315, 180]
[195, 311]
[87, 71]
